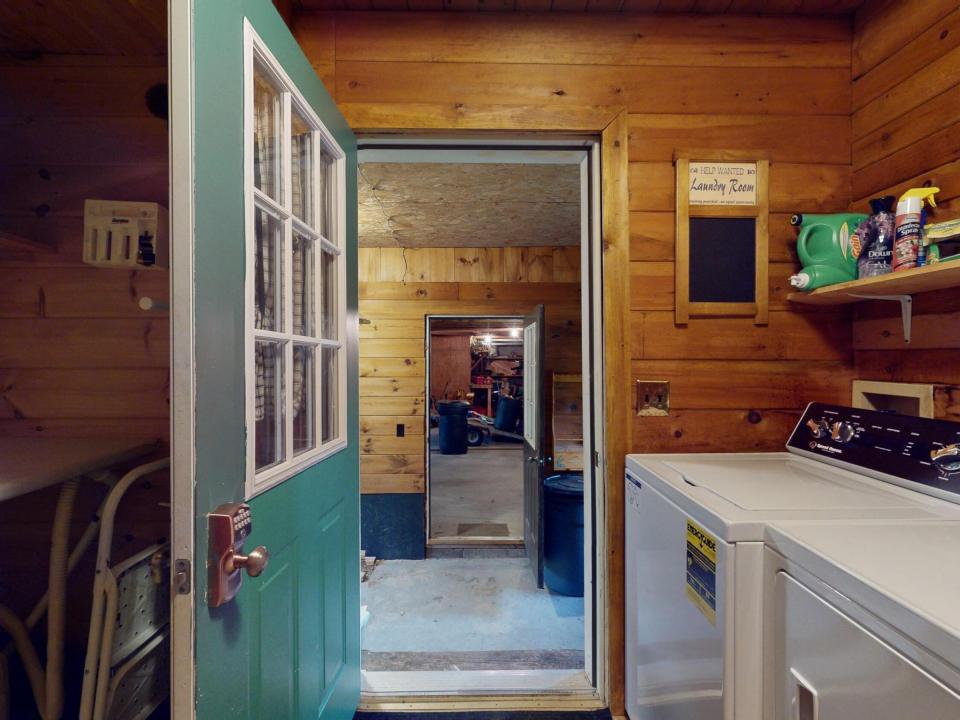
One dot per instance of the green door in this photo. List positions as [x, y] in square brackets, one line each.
[275, 307]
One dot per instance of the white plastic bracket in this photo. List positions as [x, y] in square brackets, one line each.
[906, 310]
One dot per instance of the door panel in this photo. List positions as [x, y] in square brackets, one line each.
[288, 645]
[534, 456]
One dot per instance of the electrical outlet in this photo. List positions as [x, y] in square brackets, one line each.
[653, 397]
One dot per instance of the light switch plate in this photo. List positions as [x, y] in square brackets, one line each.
[653, 398]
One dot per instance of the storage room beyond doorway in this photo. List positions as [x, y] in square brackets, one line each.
[475, 446]
[470, 270]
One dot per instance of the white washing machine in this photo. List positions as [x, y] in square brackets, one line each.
[863, 621]
[695, 532]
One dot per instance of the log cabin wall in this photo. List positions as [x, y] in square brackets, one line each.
[399, 287]
[778, 84]
[78, 355]
[906, 133]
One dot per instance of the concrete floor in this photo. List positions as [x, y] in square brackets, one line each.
[478, 494]
[485, 612]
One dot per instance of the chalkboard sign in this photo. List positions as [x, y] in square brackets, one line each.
[723, 260]
[722, 215]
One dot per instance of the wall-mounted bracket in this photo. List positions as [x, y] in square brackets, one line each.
[906, 309]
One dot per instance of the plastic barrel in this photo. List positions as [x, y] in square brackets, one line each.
[508, 414]
[453, 427]
[563, 533]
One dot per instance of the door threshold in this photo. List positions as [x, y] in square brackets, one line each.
[477, 688]
[456, 541]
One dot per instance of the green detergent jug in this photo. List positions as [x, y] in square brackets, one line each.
[827, 249]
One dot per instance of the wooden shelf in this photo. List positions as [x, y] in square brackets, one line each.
[939, 276]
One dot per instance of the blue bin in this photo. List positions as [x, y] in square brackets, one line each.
[563, 533]
[453, 426]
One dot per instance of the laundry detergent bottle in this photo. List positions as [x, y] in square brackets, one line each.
[825, 249]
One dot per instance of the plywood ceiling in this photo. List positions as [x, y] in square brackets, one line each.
[84, 27]
[468, 204]
[711, 7]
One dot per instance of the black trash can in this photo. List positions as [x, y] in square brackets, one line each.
[509, 410]
[563, 533]
[453, 426]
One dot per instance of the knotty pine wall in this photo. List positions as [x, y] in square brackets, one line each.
[906, 133]
[398, 289]
[78, 356]
[781, 85]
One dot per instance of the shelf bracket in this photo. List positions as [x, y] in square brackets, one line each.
[906, 310]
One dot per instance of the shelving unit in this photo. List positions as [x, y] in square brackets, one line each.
[897, 287]
[907, 282]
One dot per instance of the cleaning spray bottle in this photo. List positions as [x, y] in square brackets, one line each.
[825, 249]
[909, 226]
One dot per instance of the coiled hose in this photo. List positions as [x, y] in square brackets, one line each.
[16, 628]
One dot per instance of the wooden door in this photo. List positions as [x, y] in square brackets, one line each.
[274, 371]
[534, 450]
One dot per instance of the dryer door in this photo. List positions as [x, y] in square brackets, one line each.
[829, 667]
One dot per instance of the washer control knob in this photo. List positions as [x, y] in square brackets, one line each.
[818, 428]
[842, 432]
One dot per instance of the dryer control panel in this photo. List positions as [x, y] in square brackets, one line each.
[883, 445]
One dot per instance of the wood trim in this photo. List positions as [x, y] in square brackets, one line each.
[444, 117]
[682, 252]
[762, 292]
[724, 211]
[615, 198]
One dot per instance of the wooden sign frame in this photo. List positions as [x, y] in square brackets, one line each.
[759, 308]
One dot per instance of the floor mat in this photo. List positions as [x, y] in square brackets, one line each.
[464, 661]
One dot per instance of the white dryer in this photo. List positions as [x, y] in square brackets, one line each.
[863, 621]
[695, 532]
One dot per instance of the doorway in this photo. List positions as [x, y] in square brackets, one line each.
[460, 241]
[475, 466]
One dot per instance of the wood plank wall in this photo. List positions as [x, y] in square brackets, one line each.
[398, 289]
[781, 85]
[906, 133]
[78, 356]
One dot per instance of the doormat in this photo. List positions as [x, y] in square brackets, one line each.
[483, 530]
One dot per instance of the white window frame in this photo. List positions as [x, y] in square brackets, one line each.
[256, 52]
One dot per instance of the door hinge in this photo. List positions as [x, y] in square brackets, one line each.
[182, 577]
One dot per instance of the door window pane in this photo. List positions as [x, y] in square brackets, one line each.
[266, 135]
[303, 286]
[268, 434]
[331, 401]
[304, 436]
[301, 168]
[325, 223]
[328, 306]
[267, 271]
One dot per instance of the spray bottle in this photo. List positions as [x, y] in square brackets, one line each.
[909, 226]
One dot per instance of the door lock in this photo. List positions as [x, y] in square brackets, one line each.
[229, 526]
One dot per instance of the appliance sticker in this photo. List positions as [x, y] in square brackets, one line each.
[701, 586]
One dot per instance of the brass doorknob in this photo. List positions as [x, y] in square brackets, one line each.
[254, 563]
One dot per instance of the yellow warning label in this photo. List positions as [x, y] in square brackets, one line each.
[702, 570]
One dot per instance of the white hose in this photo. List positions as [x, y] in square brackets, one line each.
[57, 591]
[15, 627]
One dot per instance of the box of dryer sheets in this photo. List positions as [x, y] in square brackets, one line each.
[941, 241]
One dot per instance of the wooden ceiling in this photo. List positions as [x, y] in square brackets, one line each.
[84, 27]
[711, 7]
[468, 204]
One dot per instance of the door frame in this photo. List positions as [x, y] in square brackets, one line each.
[182, 422]
[609, 342]
[450, 541]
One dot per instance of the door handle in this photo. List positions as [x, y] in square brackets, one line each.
[254, 563]
[229, 527]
